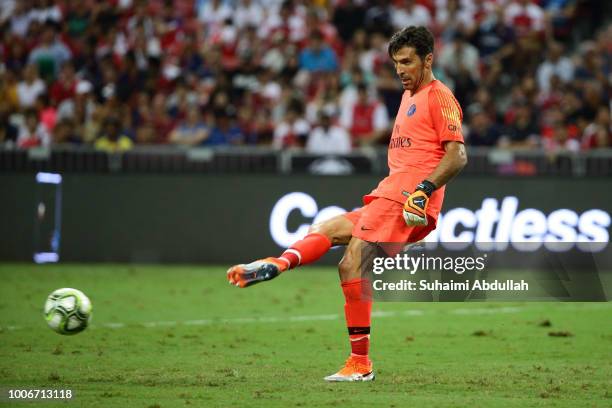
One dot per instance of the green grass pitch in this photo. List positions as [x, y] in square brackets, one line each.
[168, 336]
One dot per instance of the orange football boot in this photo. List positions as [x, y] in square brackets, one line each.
[244, 275]
[354, 370]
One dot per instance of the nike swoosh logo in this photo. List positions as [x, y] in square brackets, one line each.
[366, 229]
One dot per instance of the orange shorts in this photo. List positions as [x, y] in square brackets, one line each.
[382, 221]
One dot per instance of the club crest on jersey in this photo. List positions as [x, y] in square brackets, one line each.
[411, 110]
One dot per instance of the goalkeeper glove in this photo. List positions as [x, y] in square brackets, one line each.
[415, 206]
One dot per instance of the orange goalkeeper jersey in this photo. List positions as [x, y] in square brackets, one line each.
[424, 122]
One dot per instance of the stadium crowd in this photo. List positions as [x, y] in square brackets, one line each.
[312, 74]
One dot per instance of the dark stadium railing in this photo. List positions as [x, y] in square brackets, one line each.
[172, 159]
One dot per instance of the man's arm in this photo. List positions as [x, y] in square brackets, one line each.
[415, 207]
[453, 161]
[446, 116]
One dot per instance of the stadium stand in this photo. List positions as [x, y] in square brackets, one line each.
[87, 80]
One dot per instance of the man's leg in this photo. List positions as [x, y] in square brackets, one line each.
[357, 310]
[321, 237]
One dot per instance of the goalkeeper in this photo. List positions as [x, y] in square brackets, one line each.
[425, 152]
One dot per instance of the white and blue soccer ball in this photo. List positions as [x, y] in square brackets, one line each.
[68, 311]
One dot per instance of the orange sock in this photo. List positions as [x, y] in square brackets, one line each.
[309, 249]
[358, 312]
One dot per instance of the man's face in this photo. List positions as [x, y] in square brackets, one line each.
[410, 67]
[362, 96]
[480, 121]
[316, 43]
[48, 36]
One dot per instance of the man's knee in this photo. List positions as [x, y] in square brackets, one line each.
[337, 229]
[357, 260]
[348, 268]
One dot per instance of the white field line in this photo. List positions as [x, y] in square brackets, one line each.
[242, 320]
[324, 317]
[481, 311]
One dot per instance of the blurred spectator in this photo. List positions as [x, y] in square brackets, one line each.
[559, 133]
[555, 64]
[8, 131]
[225, 131]
[47, 112]
[32, 133]
[367, 119]
[140, 18]
[292, 131]
[80, 106]
[50, 53]
[316, 21]
[483, 100]
[47, 10]
[522, 132]
[523, 94]
[276, 56]
[386, 85]
[113, 139]
[129, 79]
[78, 18]
[7, 9]
[482, 132]
[268, 87]
[257, 128]
[348, 17]
[318, 57]
[213, 13]
[374, 55]
[30, 88]
[15, 54]
[248, 13]
[327, 138]
[65, 86]
[460, 62]
[9, 90]
[93, 125]
[453, 19]
[21, 17]
[286, 21]
[409, 13]
[591, 66]
[326, 99]
[245, 79]
[492, 36]
[160, 119]
[603, 39]
[571, 105]
[145, 134]
[180, 100]
[598, 134]
[192, 131]
[558, 17]
[65, 133]
[560, 141]
[525, 16]
[354, 50]
[378, 17]
[592, 97]
[192, 61]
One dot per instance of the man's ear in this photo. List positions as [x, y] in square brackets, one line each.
[429, 61]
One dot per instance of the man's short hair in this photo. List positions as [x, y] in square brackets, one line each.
[419, 38]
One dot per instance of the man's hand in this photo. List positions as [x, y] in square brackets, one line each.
[415, 207]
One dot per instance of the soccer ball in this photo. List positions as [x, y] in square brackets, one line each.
[67, 311]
